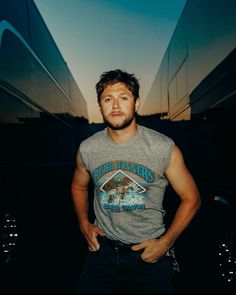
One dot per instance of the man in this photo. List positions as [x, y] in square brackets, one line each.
[129, 246]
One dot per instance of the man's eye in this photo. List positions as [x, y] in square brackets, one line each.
[107, 100]
[124, 98]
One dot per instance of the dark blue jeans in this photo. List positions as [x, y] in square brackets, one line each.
[122, 270]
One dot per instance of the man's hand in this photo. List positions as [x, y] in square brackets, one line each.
[154, 249]
[90, 232]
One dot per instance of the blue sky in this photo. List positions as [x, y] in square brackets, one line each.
[98, 35]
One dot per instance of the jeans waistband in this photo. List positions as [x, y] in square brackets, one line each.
[119, 246]
[116, 244]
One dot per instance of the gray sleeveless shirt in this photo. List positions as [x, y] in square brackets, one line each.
[129, 183]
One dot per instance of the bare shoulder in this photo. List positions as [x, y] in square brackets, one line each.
[176, 156]
[180, 177]
[81, 176]
[177, 168]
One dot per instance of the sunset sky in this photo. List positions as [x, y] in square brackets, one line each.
[99, 35]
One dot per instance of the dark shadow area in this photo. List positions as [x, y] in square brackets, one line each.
[35, 191]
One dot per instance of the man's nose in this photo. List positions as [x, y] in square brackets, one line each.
[116, 104]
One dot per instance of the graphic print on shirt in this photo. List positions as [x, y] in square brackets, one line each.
[121, 192]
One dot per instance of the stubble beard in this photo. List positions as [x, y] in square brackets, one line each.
[119, 126]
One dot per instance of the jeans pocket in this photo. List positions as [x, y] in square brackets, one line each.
[143, 261]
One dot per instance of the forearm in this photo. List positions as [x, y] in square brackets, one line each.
[80, 201]
[184, 214]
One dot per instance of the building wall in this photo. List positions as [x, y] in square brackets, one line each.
[204, 36]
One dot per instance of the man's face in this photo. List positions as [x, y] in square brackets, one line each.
[117, 106]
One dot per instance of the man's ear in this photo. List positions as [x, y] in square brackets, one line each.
[137, 104]
[99, 106]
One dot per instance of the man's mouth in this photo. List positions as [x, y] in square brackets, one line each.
[116, 114]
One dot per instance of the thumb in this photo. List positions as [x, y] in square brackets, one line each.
[138, 247]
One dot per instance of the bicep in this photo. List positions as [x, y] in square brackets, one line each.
[81, 176]
[179, 176]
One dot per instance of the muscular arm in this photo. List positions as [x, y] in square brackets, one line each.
[184, 185]
[79, 191]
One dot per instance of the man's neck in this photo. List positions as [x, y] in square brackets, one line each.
[123, 135]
